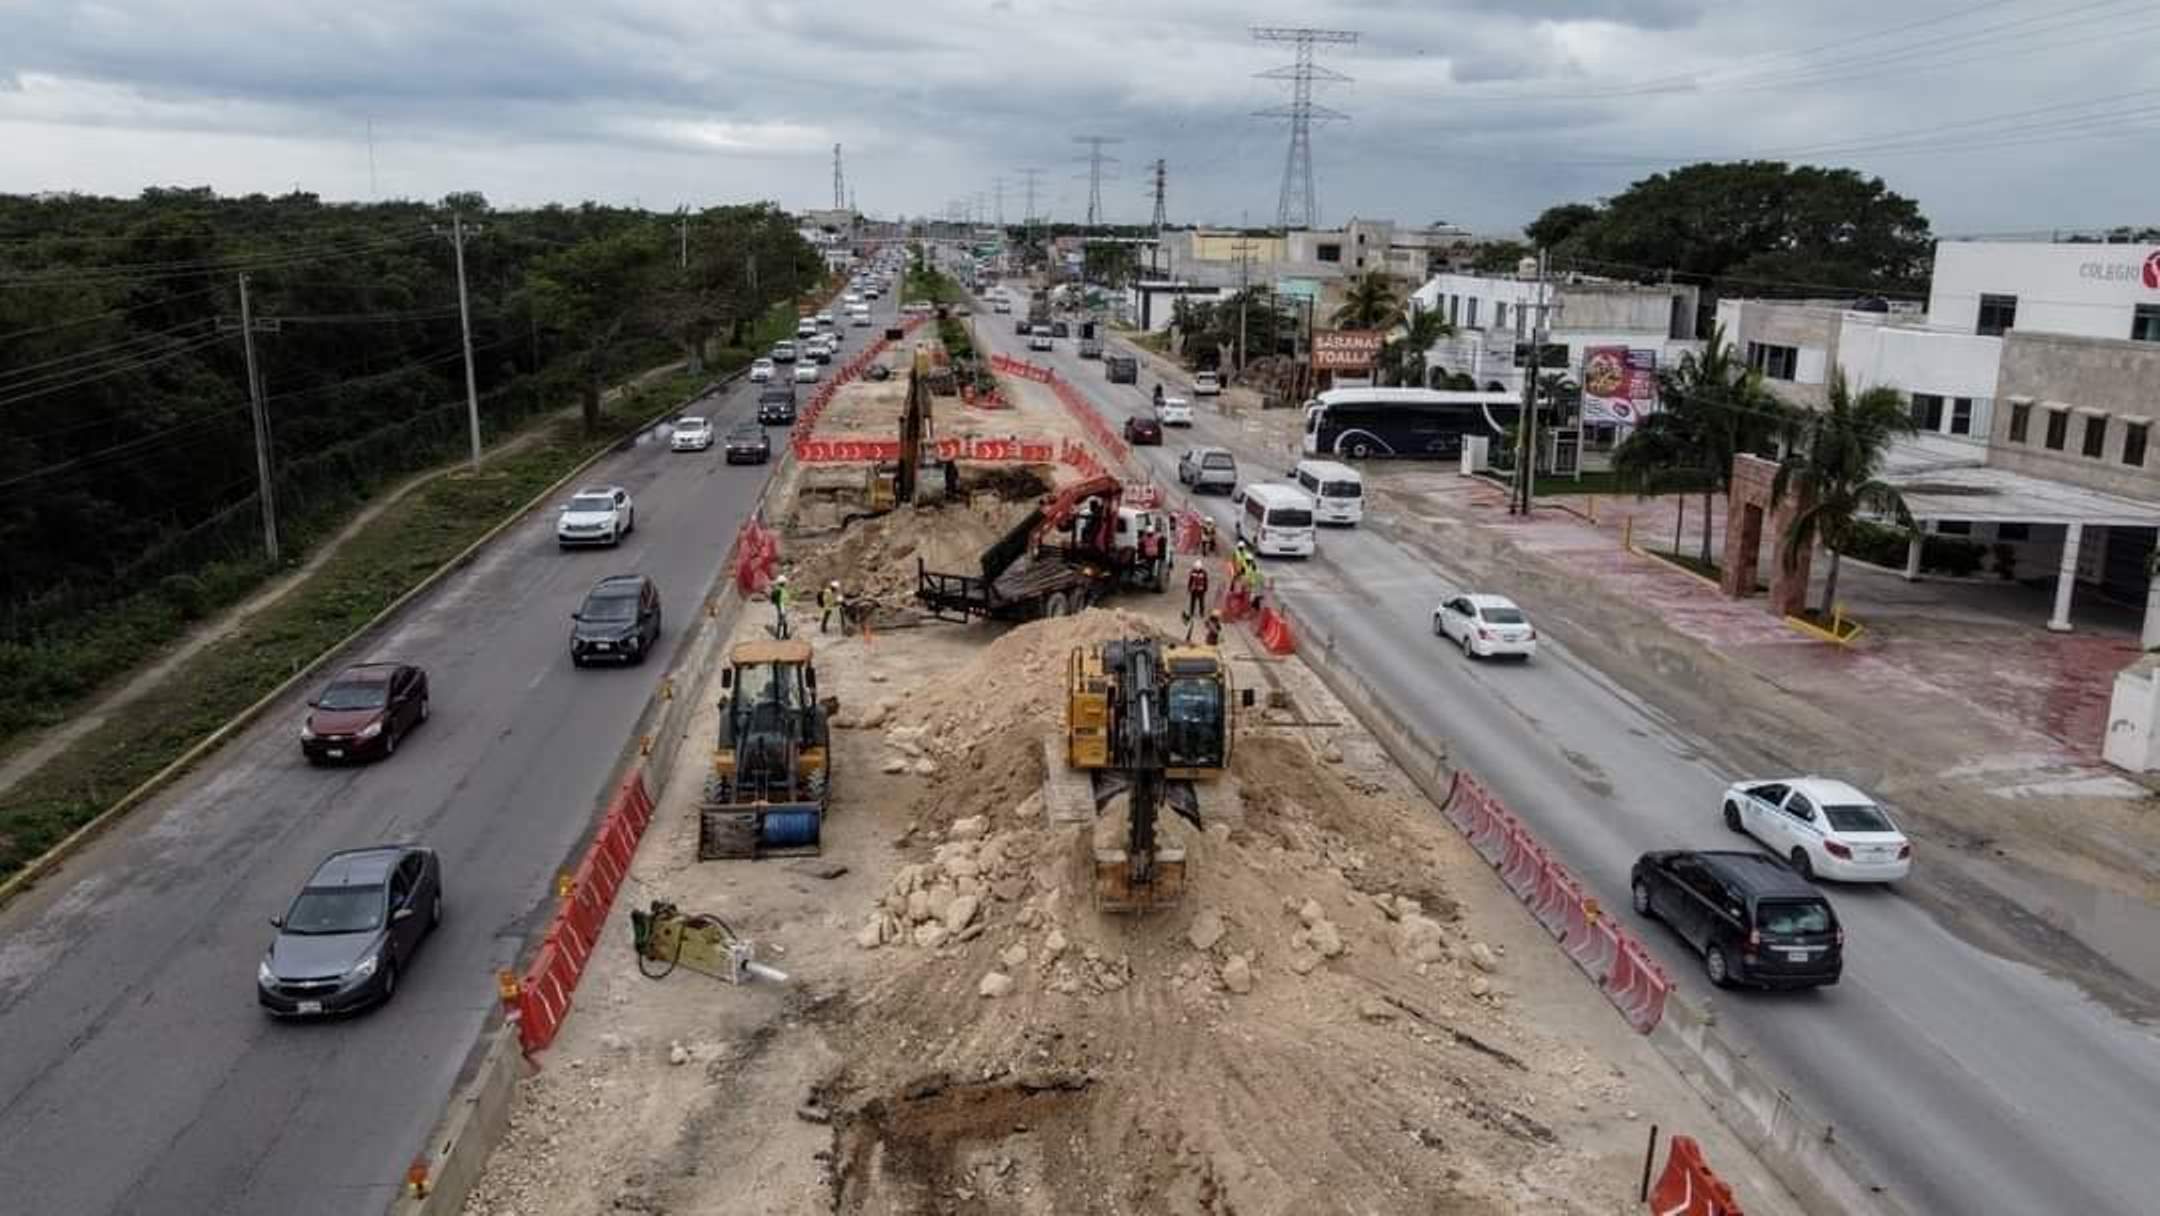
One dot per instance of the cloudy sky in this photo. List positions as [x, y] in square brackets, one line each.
[1998, 115]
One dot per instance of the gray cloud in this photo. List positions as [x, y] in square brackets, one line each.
[1457, 109]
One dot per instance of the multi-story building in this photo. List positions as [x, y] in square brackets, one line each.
[2033, 379]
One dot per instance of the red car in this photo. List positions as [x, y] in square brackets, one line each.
[1141, 429]
[364, 712]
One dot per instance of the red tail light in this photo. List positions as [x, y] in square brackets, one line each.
[1838, 935]
[1835, 849]
[1754, 939]
[1904, 851]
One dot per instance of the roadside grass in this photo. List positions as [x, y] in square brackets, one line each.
[387, 557]
[1694, 565]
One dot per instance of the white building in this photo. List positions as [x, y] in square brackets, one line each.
[2034, 380]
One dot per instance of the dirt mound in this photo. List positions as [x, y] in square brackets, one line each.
[1026, 1053]
[876, 557]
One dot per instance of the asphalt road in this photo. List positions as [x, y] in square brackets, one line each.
[137, 1074]
[1972, 1084]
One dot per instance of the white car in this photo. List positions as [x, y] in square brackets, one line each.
[1821, 828]
[806, 372]
[691, 435]
[1174, 411]
[806, 328]
[1484, 626]
[823, 320]
[853, 297]
[596, 515]
[860, 319]
[1206, 384]
[783, 352]
[761, 370]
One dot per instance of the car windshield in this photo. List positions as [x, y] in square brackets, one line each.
[1217, 460]
[1785, 918]
[611, 609]
[1503, 616]
[690, 424]
[592, 502]
[1289, 517]
[358, 694]
[336, 910]
[1858, 818]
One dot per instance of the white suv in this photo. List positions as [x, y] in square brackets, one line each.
[1206, 384]
[596, 515]
[761, 371]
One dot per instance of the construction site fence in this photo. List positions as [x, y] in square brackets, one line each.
[822, 396]
[541, 1000]
[986, 450]
[1689, 1187]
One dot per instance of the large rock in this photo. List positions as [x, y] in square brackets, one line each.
[1206, 930]
[1481, 956]
[1014, 956]
[970, 828]
[1311, 913]
[930, 935]
[1054, 944]
[893, 763]
[918, 907]
[1326, 939]
[872, 935]
[924, 766]
[963, 867]
[1418, 939]
[940, 898]
[995, 985]
[1237, 975]
[961, 911]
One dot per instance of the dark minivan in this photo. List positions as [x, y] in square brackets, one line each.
[618, 623]
[1752, 919]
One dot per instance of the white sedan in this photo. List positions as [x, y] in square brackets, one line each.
[1173, 411]
[761, 370]
[692, 434]
[1484, 626]
[806, 372]
[1821, 827]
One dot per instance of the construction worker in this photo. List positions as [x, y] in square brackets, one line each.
[829, 601]
[780, 603]
[1214, 629]
[1195, 592]
[1151, 552]
[1158, 394]
[1207, 535]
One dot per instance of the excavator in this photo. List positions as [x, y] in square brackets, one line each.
[771, 778]
[903, 481]
[1149, 720]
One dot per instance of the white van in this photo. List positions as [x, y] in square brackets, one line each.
[1338, 492]
[1276, 520]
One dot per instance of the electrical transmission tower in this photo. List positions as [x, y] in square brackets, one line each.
[839, 182]
[997, 184]
[1162, 178]
[1027, 218]
[1297, 208]
[1096, 160]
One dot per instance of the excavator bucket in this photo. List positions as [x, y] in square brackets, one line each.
[1120, 887]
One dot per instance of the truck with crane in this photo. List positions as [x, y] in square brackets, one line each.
[1072, 550]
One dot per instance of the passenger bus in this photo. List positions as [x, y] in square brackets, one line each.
[1407, 423]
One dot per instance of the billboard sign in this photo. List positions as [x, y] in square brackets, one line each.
[1618, 385]
[1346, 350]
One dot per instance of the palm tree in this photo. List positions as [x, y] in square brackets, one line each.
[1834, 465]
[1370, 302]
[1712, 407]
[1406, 354]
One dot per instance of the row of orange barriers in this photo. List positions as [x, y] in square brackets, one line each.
[1606, 951]
[842, 451]
[541, 1000]
[853, 369]
[756, 556]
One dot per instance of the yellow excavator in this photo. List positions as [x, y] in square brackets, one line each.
[1147, 719]
[903, 481]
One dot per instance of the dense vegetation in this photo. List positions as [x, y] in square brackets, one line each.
[126, 443]
[1760, 228]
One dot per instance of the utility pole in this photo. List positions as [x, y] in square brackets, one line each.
[1298, 206]
[464, 309]
[1244, 280]
[682, 259]
[266, 490]
[1526, 429]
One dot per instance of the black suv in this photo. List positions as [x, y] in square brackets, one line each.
[776, 405]
[619, 623]
[1753, 920]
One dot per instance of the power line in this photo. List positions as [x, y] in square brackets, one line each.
[1298, 206]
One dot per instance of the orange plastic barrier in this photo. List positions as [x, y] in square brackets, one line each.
[542, 998]
[1274, 631]
[1689, 1187]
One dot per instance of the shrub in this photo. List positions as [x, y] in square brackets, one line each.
[1885, 546]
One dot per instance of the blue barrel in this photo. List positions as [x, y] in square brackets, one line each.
[790, 828]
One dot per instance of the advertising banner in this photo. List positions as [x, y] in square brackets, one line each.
[1346, 350]
[1618, 385]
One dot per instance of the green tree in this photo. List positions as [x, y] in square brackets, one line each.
[1500, 257]
[1712, 407]
[1405, 353]
[1370, 303]
[591, 296]
[1776, 229]
[1833, 466]
[1557, 223]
